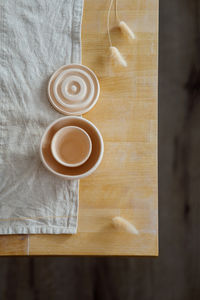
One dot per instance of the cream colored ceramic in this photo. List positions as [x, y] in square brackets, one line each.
[73, 89]
[71, 146]
[68, 172]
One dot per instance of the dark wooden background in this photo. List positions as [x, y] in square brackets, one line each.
[175, 275]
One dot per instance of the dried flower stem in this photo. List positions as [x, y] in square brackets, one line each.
[108, 23]
[117, 57]
[121, 223]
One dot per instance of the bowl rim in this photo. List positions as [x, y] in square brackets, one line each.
[80, 112]
[54, 152]
[71, 177]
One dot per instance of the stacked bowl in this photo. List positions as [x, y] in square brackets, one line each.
[72, 147]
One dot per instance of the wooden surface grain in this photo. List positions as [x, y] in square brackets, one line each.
[125, 184]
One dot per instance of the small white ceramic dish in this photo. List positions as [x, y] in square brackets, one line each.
[71, 146]
[91, 163]
[73, 89]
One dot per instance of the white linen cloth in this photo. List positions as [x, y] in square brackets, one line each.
[36, 38]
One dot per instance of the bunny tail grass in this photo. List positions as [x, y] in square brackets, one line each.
[121, 223]
[125, 29]
[117, 57]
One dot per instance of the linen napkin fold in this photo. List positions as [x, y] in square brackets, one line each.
[36, 38]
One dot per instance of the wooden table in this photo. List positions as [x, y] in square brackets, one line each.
[126, 182]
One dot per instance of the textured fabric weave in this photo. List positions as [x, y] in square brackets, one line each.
[36, 38]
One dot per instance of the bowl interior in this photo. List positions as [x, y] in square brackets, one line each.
[71, 146]
[93, 160]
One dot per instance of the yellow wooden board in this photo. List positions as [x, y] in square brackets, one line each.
[125, 184]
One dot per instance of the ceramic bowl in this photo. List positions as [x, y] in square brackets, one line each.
[72, 172]
[71, 146]
[73, 89]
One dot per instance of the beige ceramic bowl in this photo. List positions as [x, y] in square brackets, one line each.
[73, 89]
[86, 168]
[71, 146]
